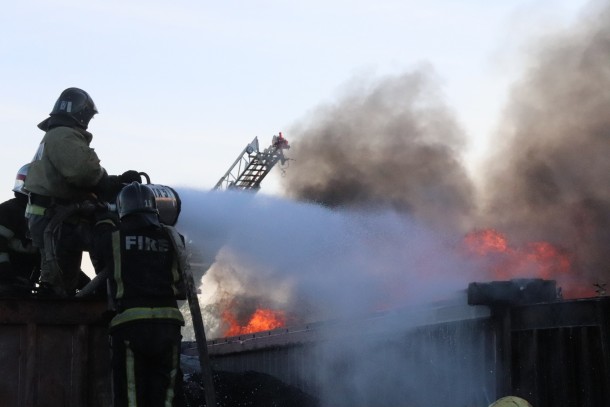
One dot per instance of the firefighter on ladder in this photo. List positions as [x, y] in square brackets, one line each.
[279, 142]
[66, 172]
[137, 254]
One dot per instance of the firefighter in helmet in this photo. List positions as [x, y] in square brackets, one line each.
[510, 401]
[65, 171]
[19, 260]
[140, 258]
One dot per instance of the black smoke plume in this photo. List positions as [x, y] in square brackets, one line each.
[388, 143]
[550, 172]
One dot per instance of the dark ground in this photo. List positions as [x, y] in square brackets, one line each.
[251, 389]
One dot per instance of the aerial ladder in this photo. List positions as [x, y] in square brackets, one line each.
[253, 165]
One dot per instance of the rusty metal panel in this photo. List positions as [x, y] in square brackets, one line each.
[54, 353]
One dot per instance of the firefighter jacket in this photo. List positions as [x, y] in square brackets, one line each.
[18, 258]
[64, 166]
[142, 265]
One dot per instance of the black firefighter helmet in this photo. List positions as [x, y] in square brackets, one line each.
[137, 198]
[76, 104]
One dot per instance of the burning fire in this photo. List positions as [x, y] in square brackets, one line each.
[261, 320]
[533, 260]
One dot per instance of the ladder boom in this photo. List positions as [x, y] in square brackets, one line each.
[253, 165]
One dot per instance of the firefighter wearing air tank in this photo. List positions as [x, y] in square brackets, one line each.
[138, 255]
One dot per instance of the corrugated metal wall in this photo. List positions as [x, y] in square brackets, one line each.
[552, 354]
[558, 353]
[383, 361]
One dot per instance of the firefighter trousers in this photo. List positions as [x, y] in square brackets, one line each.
[71, 240]
[146, 365]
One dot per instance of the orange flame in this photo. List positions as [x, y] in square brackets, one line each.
[485, 241]
[261, 320]
[533, 260]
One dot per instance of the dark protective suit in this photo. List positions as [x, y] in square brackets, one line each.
[144, 285]
[19, 260]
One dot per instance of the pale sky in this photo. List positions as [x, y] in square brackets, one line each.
[183, 86]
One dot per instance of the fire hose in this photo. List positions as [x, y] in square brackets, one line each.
[191, 294]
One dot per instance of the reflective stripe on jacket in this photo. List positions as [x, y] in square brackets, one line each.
[140, 313]
[142, 269]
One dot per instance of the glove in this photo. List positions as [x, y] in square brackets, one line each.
[108, 187]
[130, 176]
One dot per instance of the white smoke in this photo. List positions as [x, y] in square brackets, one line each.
[313, 262]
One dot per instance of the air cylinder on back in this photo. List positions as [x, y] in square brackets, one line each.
[168, 203]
